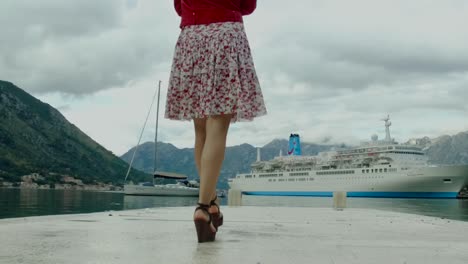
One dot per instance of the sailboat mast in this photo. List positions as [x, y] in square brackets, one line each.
[155, 166]
[142, 130]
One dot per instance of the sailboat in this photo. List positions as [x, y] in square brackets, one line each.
[164, 183]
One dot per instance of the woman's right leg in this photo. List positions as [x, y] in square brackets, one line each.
[212, 156]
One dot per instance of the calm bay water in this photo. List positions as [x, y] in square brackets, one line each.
[24, 202]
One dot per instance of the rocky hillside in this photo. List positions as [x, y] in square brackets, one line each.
[446, 149]
[36, 138]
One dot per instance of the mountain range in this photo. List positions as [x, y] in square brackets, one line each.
[441, 150]
[445, 149]
[237, 158]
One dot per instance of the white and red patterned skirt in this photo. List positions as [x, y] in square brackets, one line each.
[213, 74]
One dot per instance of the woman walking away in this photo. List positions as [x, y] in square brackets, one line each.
[213, 82]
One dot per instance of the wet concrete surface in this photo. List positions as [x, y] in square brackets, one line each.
[249, 235]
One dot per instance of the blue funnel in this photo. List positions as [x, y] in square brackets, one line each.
[294, 145]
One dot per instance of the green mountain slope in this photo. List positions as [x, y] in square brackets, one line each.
[35, 137]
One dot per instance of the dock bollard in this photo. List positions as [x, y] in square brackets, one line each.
[235, 197]
[339, 200]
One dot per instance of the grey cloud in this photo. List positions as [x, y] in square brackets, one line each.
[25, 20]
[342, 65]
[341, 45]
[401, 98]
[81, 47]
[63, 108]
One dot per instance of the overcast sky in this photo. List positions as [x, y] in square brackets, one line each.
[329, 69]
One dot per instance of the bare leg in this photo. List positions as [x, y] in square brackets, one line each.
[200, 136]
[213, 155]
[211, 158]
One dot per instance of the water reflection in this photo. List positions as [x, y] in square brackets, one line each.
[30, 202]
[132, 202]
[33, 202]
[446, 208]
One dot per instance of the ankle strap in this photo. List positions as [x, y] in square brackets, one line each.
[204, 207]
[201, 205]
[212, 202]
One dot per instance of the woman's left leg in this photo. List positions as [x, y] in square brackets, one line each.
[212, 155]
[200, 137]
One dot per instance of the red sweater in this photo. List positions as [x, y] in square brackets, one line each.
[199, 12]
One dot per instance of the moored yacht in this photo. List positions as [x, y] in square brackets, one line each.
[164, 184]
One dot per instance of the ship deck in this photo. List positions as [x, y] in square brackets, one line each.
[249, 235]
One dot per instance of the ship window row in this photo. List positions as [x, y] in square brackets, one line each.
[374, 170]
[334, 172]
[353, 178]
[406, 148]
[379, 170]
[299, 174]
[268, 175]
[248, 176]
[292, 179]
[300, 169]
[406, 152]
[363, 150]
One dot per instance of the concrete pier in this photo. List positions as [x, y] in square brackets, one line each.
[234, 197]
[249, 235]
[339, 200]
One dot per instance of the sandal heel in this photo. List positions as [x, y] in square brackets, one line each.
[204, 232]
[217, 220]
[203, 227]
[217, 217]
[220, 221]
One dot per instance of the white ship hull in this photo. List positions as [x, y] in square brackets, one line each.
[420, 182]
[160, 190]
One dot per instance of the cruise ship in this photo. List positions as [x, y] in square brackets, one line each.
[379, 168]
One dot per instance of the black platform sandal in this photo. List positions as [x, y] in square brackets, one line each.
[204, 231]
[218, 216]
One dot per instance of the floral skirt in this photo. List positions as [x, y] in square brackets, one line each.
[213, 74]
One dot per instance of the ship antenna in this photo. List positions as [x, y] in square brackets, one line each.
[387, 128]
